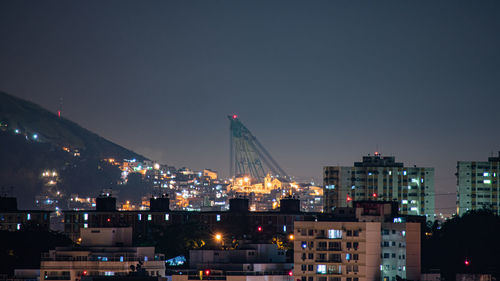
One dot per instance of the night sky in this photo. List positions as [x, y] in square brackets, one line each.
[318, 82]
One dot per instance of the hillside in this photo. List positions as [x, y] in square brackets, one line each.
[34, 140]
[30, 119]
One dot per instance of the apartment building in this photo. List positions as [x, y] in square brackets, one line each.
[380, 178]
[374, 247]
[12, 219]
[103, 252]
[478, 185]
[237, 219]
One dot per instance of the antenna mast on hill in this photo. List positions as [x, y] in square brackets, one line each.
[59, 109]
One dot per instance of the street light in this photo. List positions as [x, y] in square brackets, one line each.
[218, 237]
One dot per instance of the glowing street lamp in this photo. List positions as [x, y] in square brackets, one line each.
[218, 237]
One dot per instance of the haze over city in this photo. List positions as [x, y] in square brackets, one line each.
[320, 83]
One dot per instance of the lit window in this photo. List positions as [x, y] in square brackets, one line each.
[334, 234]
[487, 181]
[139, 216]
[109, 273]
[486, 174]
[85, 225]
[403, 233]
[390, 173]
[321, 269]
[332, 186]
[121, 258]
[146, 258]
[150, 217]
[404, 173]
[304, 244]
[85, 217]
[404, 201]
[28, 217]
[167, 217]
[218, 217]
[414, 208]
[18, 226]
[284, 228]
[348, 256]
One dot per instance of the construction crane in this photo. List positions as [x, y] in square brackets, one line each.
[247, 155]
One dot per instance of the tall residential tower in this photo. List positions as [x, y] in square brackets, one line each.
[478, 185]
[380, 178]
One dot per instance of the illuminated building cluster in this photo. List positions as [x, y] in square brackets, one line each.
[50, 196]
[267, 194]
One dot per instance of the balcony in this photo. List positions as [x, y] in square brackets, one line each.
[329, 249]
[333, 260]
[101, 259]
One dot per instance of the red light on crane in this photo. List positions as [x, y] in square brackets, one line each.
[235, 116]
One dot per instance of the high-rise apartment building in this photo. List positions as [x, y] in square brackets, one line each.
[372, 247]
[478, 185]
[380, 178]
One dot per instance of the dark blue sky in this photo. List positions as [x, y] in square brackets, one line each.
[318, 82]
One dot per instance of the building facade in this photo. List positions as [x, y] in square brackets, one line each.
[380, 178]
[247, 257]
[103, 252]
[371, 248]
[478, 185]
[238, 220]
[12, 219]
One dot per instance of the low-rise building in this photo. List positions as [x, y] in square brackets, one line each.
[248, 262]
[238, 218]
[248, 257]
[12, 219]
[103, 252]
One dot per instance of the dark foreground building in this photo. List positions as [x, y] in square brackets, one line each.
[238, 219]
[12, 219]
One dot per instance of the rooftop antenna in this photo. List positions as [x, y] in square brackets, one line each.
[59, 109]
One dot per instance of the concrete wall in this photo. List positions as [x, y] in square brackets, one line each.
[106, 236]
[413, 251]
